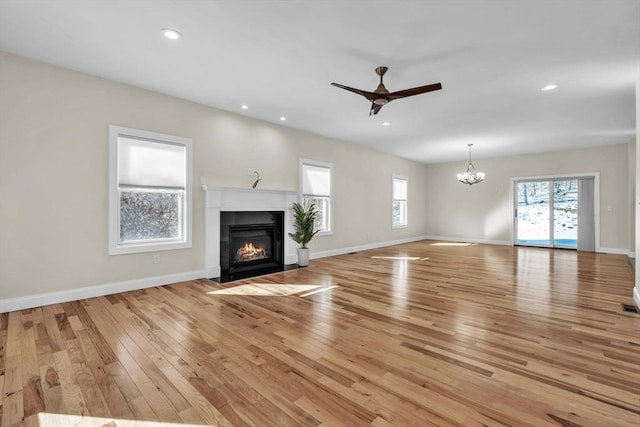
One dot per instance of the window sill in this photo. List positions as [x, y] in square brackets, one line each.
[148, 247]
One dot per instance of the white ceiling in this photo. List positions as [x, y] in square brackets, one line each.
[279, 58]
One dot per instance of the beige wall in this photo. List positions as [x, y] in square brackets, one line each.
[483, 212]
[54, 174]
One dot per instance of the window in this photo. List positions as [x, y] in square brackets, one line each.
[399, 201]
[149, 191]
[315, 187]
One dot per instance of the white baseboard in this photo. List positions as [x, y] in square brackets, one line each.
[616, 251]
[30, 301]
[290, 259]
[466, 240]
[214, 271]
[342, 251]
[636, 296]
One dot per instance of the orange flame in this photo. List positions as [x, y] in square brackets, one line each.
[249, 252]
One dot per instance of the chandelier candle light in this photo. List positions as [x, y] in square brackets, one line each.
[471, 176]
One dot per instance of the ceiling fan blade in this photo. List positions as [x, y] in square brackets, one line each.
[375, 108]
[369, 95]
[414, 91]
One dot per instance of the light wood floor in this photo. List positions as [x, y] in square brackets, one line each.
[411, 335]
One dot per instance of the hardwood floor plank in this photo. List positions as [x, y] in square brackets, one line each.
[49, 378]
[52, 389]
[71, 392]
[51, 326]
[12, 390]
[191, 416]
[142, 411]
[33, 394]
[4, 320]
[12, 401]
[121, 378]
[86, 381]
[1, 394]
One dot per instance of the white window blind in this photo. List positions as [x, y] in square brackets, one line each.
[316, 180]
[316, 187]
[399, 189]
[143, 163]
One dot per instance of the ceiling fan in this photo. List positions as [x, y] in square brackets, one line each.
[382, 96]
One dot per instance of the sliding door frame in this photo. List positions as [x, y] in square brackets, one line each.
[513, 200]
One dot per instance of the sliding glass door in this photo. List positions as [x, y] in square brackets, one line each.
[565, 213]
[546, 213]
[533, 213]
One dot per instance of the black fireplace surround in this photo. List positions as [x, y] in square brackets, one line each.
[251, 244]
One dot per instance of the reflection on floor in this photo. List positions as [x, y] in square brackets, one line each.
[570, 243]
[270, 289]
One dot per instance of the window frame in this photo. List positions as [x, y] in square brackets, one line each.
[394, 178]
[186, 241]
[301, 197]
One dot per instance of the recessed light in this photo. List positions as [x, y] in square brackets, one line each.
[283, 118]
[245, 107]
[171, 34]
[549, 87]
[386, 123]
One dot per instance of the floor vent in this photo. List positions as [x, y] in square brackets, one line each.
[629, 308]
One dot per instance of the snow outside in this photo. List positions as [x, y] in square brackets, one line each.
[533, 212]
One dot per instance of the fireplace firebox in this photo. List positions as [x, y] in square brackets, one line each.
[251, 244]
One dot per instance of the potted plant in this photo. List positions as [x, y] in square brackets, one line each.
[304, 217]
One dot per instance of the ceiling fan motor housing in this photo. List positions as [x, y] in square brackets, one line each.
[382, 91]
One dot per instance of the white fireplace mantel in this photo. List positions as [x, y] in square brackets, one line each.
[222, 199]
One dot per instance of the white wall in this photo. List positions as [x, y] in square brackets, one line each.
[54, 177]
[483, 212]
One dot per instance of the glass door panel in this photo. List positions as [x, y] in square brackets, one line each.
[565, 213]
[533, 213]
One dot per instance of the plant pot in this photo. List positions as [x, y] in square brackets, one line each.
[303, 257]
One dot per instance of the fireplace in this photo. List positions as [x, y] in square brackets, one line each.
[251, 243]
[220, 201]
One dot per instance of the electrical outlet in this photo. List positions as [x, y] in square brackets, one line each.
[250, 172]
[156, 258]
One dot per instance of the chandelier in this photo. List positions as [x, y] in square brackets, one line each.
[470, 176]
